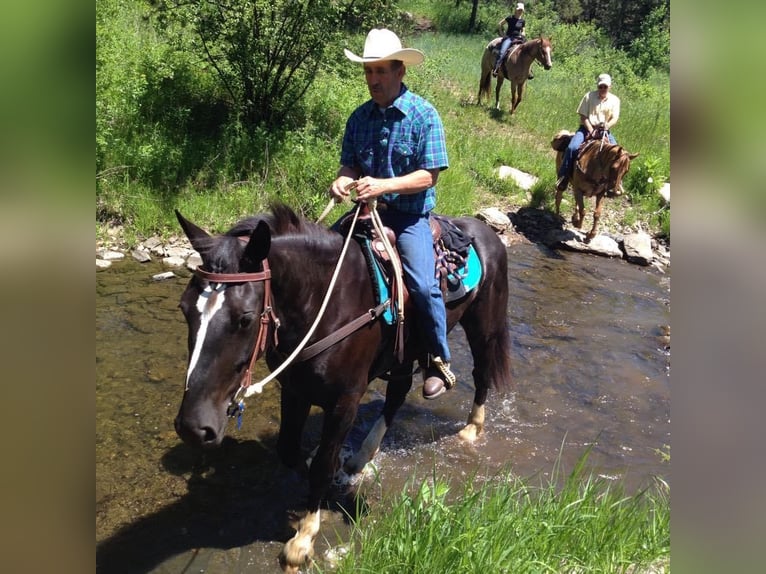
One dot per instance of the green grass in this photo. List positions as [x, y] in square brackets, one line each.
[508, 525]
[299, 166]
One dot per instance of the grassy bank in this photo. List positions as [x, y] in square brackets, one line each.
[298, 167]
[510, 525]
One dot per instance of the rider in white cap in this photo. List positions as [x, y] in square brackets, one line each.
[513, 34]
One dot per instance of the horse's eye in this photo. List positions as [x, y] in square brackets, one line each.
[246, 319]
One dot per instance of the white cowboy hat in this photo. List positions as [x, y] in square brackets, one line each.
[382, 44]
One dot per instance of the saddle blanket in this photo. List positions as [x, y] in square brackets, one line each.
[460, 282]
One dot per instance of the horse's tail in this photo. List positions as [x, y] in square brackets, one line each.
[486, 74]
[498, 361]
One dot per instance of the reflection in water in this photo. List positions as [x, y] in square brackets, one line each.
[590, 367]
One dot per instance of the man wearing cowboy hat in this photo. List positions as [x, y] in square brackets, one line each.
[393, 150]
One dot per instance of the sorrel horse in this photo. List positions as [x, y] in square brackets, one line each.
[515, 67]
[258, 290]
[598, 172]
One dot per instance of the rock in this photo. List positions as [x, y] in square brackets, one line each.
[140, 256]
[575, 240]
[163, 276]
[152, 242]
[109, 255]
[495, 218]
[193, 261]
[177, 251]
[638, 248]
[523, 180]
[174, 261]
[664, 191]
[103, 264]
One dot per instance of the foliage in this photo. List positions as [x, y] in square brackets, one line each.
[507, 524]
[265, 53]
[652, 48]
[169, 136]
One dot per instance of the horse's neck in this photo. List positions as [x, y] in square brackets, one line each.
[596, 157]
[524, 53]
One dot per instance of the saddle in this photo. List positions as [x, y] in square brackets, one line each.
[456, 262]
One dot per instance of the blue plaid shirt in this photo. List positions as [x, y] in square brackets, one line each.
[406, 137]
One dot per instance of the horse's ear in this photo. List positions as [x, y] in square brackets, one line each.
[260, 242]
[632, 156]
[199, 237]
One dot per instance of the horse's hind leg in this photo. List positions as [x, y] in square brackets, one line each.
[396, 391]
[486, 329]
[497, 90]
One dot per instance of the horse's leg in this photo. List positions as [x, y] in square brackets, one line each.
[500, 81]
[517, 96]
[559, 194]
[596, 217]
[294, 412]
[579, 211]
[396, 392]
[486, 329]
[338, 420]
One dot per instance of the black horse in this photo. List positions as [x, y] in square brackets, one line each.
[259, 289]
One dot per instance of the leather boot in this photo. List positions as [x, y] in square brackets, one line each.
[437, 379]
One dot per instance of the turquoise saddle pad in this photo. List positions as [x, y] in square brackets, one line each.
[459, 283]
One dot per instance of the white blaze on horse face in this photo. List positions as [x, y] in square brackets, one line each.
[208, 304]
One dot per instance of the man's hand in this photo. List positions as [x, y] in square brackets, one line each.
[341, 188]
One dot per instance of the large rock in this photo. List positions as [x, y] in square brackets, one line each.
[495, 218]
[522, 179]
[638, 248]
[574, 240]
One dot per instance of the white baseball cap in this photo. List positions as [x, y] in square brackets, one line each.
[519, 6]
[604, 79]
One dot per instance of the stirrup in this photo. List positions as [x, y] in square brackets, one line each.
[449, 377]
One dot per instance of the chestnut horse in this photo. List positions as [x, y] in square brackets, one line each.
[515, 67]
[259, 289]
[598, 172]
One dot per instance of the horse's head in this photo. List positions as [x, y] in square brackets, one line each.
[223, 305]
[618, 167]
[544, 53]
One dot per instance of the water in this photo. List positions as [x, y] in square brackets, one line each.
[590, 365]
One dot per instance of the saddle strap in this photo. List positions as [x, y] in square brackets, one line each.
[343, 332]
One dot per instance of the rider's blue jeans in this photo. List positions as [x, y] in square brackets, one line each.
[413, 238]
[571, 152]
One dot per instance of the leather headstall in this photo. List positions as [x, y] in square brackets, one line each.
[267, 314]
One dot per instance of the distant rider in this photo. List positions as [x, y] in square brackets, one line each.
[514, 34]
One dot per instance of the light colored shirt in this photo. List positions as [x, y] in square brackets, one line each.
[597, 110]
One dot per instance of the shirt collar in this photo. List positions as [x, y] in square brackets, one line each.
[403, 102]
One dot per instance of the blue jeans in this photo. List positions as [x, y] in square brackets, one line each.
[413, 238]
[571, 152]
[504, 46]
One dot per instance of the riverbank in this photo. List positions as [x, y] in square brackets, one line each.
[638, 243]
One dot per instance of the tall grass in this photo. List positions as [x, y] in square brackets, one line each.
[508, 525]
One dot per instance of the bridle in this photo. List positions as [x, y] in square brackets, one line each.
[268, 318]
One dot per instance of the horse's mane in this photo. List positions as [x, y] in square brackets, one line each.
[281, 219]
[226, 250]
